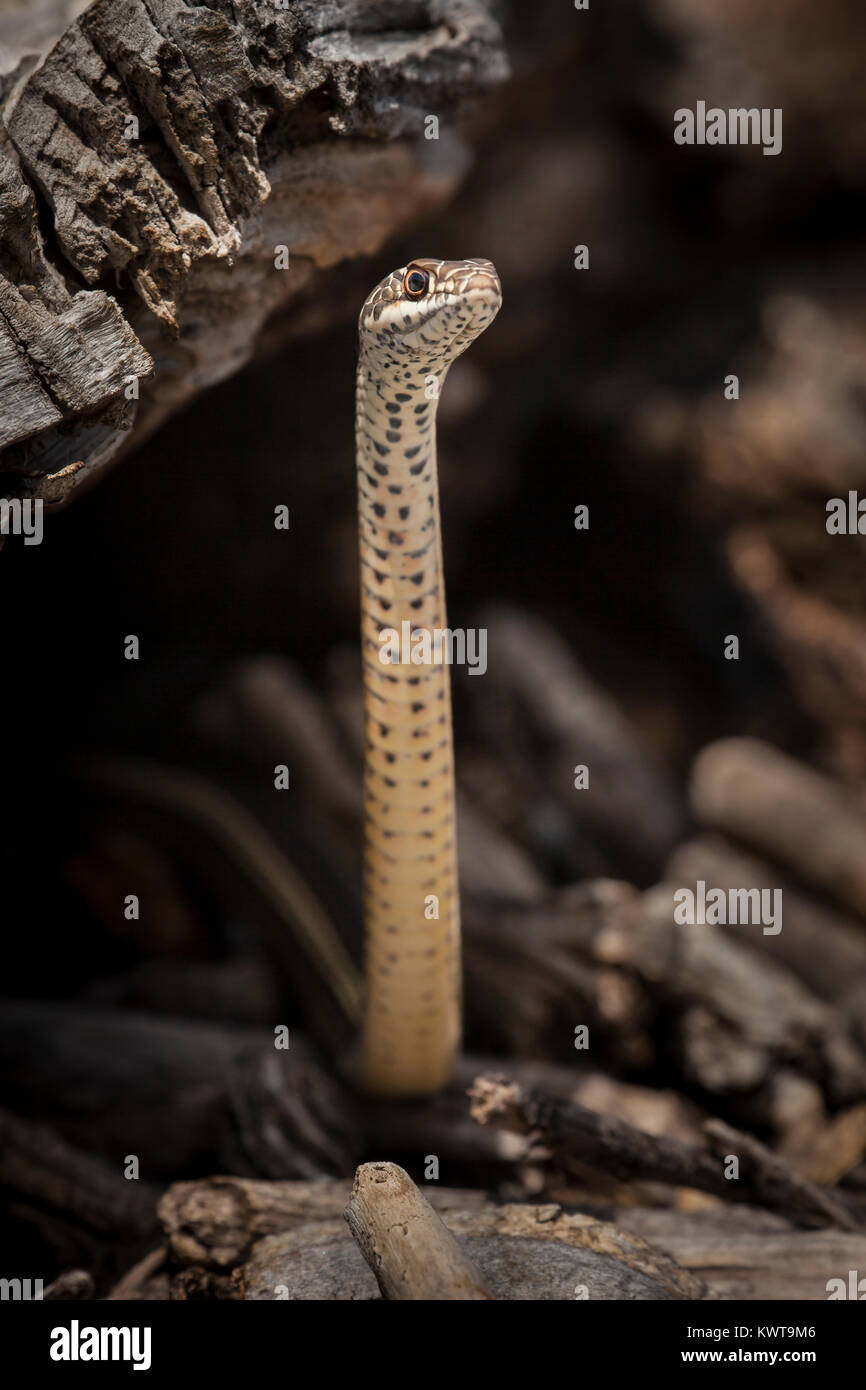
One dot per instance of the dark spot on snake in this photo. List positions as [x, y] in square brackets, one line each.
[410, 453]
[396, 489]
[390, 757]
[418, 468]
[381, 469]
[392, 436]
[391, 408]
[402, 396]
[395, 538]
[417, 706]
[403, 513]
[417, 603]
[378, 509]
[381, 449]
[417, 578]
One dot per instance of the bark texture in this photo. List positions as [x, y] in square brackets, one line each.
[154, 159]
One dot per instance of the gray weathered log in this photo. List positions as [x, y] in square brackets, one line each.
[523, 1252]
[743, 1253]
[214, 1222]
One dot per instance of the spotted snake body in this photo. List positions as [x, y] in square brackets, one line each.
[411, 328]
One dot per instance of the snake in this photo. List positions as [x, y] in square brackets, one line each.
[412, 327]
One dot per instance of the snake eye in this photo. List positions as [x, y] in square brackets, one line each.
[415, 283]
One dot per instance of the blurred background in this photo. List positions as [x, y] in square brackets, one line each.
[601, 387]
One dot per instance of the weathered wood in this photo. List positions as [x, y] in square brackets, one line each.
[523, 1252]
[146, 1280]
[81, 1212]
[539, 703]
[184, 1097]
[737, 1251]
[42, 1169]
[822, 645]
[410, 1251]
[604, 955]
[788, 811]
[742, 1253]
[74, 1284]
[573, 1134]
[177, 146]
[245, 853]
[739, 1016]
[832, 972]
[215, 1221]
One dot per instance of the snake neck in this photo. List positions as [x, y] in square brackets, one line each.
[412, 1010]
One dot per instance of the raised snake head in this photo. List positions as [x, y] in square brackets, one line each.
[428, 311]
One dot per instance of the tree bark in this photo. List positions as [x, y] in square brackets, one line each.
[176, 148]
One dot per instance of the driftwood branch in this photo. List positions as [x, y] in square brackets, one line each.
[412, 1254]
[572, 1134]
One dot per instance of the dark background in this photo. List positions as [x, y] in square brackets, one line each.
[602, 387]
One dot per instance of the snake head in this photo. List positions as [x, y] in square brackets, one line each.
[430, 311]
